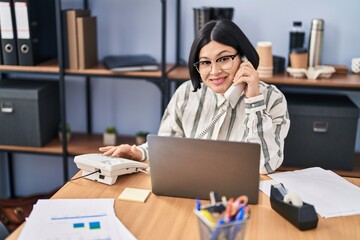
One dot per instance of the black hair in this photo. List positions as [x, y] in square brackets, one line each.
[225, 32]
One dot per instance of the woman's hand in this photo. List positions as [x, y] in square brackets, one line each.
[247, 74]
[123, 150]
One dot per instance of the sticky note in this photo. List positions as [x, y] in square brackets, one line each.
[134, 195]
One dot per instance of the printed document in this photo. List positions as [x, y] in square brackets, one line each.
[74, 219]
[330, 194]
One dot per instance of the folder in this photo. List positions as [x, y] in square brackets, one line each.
[87, 42]
[8, 32]
[72, 35]
[136, 62]
[36, 31]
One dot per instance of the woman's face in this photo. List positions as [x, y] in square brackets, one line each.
[220, 69]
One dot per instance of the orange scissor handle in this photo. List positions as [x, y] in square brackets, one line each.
[239, 203]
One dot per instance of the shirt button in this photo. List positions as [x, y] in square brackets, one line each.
[253, 105]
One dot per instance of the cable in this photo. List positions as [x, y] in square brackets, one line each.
[211, 124]
[147, 170]
[97, 171]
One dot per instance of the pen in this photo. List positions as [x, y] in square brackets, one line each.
[228, 211]
[215, 234]
[239, 217]
[198, 204]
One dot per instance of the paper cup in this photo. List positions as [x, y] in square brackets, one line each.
[264, 49]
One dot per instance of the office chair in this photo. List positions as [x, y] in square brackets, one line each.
[3, 231]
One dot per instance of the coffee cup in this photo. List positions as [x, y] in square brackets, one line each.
[299, 58]
[264, 49]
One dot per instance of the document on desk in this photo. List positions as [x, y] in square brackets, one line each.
[74, 219]
[330, 194]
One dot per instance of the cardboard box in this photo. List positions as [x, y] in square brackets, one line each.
[322, 131]
[29, 112]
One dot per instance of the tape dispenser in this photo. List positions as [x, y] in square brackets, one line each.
[289, 205]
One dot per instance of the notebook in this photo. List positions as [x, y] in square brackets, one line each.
[191, 168]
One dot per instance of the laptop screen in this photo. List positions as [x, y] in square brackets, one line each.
[191, 168]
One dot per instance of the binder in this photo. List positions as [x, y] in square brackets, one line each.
[8, 33]
[36, 31]
[87, 42]
[1, 57]
[72, 35]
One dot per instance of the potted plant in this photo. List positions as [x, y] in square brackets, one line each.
[109, 136]
[140, 137]
[68, 132]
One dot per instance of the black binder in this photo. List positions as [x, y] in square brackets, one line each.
[36, 31]
[8, 32]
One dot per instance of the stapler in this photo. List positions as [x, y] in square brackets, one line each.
[301, 214]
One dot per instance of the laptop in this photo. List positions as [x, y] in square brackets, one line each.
[192, 168]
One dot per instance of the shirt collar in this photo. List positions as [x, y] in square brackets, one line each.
[233, 99]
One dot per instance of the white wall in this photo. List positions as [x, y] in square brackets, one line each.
[134, 26]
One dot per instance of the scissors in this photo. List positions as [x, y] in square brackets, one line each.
[238, 204]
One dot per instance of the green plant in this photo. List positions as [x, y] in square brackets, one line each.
[142, 134]
[67, 126]
[111, 130]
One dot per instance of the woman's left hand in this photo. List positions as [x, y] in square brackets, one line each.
[247, 74]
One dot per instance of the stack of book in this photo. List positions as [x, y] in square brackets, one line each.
[80, 31]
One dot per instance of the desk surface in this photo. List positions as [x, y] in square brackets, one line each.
[173, 218]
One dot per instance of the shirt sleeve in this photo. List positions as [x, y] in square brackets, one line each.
[170, 124]
[267, 121]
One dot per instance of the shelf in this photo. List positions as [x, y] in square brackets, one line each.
[347, 81]
[100, 70]
[80, 143]
[52, 67]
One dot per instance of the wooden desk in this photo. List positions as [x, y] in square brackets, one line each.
[173, 218]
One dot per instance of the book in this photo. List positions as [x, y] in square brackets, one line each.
[124, 63]
[87, 42]
[72, 43]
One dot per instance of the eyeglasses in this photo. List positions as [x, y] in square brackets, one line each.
[224, 62]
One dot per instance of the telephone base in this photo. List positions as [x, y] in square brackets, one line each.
[110, 180]
[106, 169]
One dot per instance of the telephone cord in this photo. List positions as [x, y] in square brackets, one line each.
[211, 124]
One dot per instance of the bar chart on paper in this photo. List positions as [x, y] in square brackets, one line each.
[74, 219]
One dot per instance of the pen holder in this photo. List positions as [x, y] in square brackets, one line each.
[217, 231]
[304, 217]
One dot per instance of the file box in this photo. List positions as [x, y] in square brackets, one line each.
[29, 112]
[322, 131]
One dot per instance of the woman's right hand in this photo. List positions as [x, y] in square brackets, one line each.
[123, 150]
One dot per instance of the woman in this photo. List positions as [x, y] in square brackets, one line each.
[222, 56]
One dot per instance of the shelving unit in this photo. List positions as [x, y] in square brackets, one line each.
[82, 142]
[87, 142]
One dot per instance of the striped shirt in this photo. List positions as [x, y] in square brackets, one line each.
[262, 119]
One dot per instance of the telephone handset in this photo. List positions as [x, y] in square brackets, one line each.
[234, 90]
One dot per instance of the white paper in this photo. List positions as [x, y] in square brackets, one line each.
[330, 194]
[74, 219]
[265, 186]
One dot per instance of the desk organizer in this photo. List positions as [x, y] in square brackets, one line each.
[215, 231]
[304, 217]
